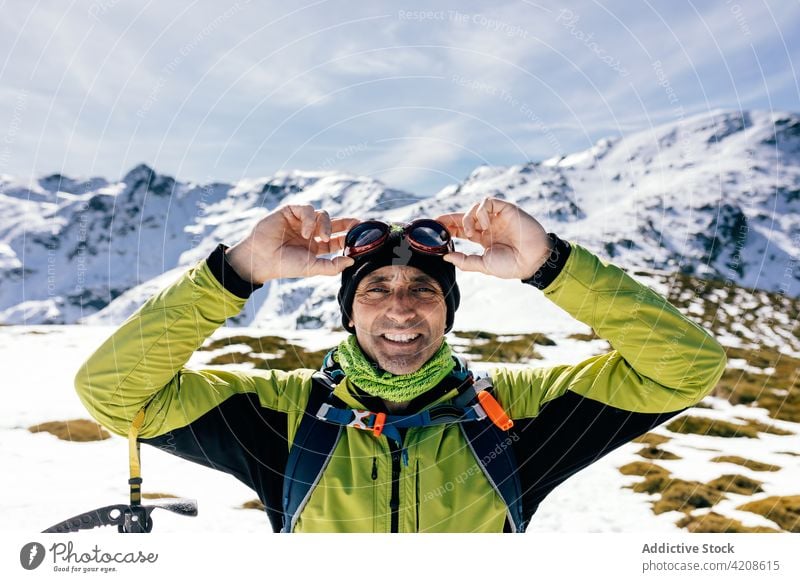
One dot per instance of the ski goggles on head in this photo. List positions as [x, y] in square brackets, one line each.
[424, 235]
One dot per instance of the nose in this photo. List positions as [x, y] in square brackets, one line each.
[400, 308]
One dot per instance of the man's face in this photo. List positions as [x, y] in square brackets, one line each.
[399, 314]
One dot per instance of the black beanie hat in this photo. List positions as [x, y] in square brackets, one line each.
[396, 251]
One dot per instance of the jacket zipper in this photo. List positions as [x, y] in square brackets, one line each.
[416, 492]
[377, 523]
[394, 502]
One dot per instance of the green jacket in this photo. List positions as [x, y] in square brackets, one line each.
[243, 422]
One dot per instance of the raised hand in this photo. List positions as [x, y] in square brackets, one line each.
[290, 242]
[515, 244]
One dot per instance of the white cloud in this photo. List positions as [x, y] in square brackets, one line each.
[330, 73]
[420, 150]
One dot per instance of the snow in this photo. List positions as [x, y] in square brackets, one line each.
[41, 361]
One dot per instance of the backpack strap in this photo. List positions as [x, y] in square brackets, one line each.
[310, 453]
[318, 436]
[494, 453]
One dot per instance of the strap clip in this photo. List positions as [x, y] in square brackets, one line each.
[322, 413]
[360, 419]
[368, 420]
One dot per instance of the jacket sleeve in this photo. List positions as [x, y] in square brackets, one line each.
[142, 364]
[568, 417]
[660, 362]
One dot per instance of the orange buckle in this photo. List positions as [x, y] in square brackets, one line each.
[380, 420]
[494, 411]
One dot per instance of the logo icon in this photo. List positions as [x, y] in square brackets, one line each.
[402, 253]
[31, 555]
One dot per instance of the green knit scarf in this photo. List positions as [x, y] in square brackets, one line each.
[376, 382]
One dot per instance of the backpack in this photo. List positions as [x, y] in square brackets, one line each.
[326, 416]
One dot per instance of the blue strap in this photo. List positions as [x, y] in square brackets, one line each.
[444, 414]
[430, 417]
[309, 455]
[495, 455]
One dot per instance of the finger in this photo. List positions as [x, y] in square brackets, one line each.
[343, 224]
[466, 262]
[341, 263]
[496, 205]
[454, 258]
[306, 215]
[482, 214]
[334, 245]
[453, 223]
[469, 222]
[329, 267]
[322, 225]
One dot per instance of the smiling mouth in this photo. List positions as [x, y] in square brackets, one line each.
[400, 338]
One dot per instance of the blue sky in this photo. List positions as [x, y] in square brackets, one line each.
[415, 94]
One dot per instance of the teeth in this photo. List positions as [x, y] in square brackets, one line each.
[404, 337]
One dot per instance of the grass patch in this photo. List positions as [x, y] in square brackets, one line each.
[716, 523]
[741, 386]
[778, 392]
[738, 484]
[748, 463]
[680, 495]
[710, 427]
[656, 453]
[685, 291]
[533, 338]
[490, 347]
[652, 484]
[284, 355]
[159, 496]
[781, 410]
[78, 430]
[651, 438]
[790, 453]
[767, 428]
[643, 469]
[785, 511]
[584, 337]
[253, 504]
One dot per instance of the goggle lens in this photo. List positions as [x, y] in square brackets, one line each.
[430, 234]
[424, 235]
[364, 234]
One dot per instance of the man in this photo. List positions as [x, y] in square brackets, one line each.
[418, 460]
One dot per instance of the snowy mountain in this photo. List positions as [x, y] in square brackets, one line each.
[716, 196]
[71, 248]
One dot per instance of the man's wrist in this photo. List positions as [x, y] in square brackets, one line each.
[553, 264]
[225, 273]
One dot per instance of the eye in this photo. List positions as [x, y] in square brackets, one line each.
[425, 290]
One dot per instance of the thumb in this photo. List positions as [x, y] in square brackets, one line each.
[330, 267]
[454, 258]
[466, 262]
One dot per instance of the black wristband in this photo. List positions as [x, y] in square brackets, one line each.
[548, 272]
[230, 279]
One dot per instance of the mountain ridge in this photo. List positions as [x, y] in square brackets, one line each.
[716, 196]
